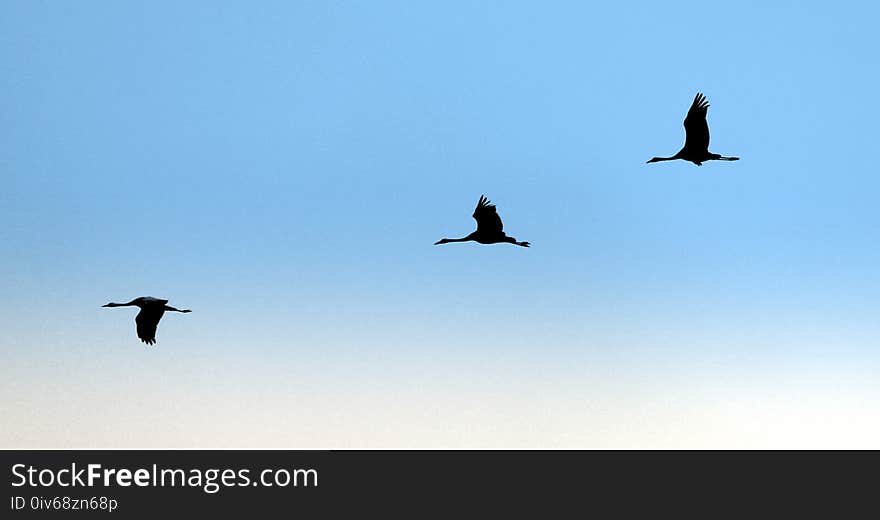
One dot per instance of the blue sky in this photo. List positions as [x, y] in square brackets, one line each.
[284, 168]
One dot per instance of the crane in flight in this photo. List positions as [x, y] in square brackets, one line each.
[696, 143]
[148, 318]
[490, 230]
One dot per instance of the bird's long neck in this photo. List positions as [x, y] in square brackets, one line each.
[129, 304]
[678, 155]
[463, 239]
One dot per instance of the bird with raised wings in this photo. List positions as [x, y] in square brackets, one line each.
[696, 143]
[490, 230]
[152, 310]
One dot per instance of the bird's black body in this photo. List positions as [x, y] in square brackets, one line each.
[152, 310]
[696, 144]
[490, 229]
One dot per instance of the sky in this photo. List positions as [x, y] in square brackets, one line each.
[283, 169]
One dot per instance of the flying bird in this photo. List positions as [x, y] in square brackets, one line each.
[490, 230]
[148, 318]
[696, 143]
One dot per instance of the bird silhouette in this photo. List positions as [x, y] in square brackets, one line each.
[696, 143]
[490, 230]
[148, 318]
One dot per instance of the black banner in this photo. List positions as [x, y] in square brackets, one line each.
[413, 484]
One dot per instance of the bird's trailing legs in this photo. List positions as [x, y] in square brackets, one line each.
[513, 241]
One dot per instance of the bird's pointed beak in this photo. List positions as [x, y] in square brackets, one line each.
[106, 305]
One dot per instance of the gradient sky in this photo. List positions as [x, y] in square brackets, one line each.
[283, 168]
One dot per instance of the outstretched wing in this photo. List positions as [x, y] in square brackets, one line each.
[487, 218]
[695, 126]
[147, 320]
